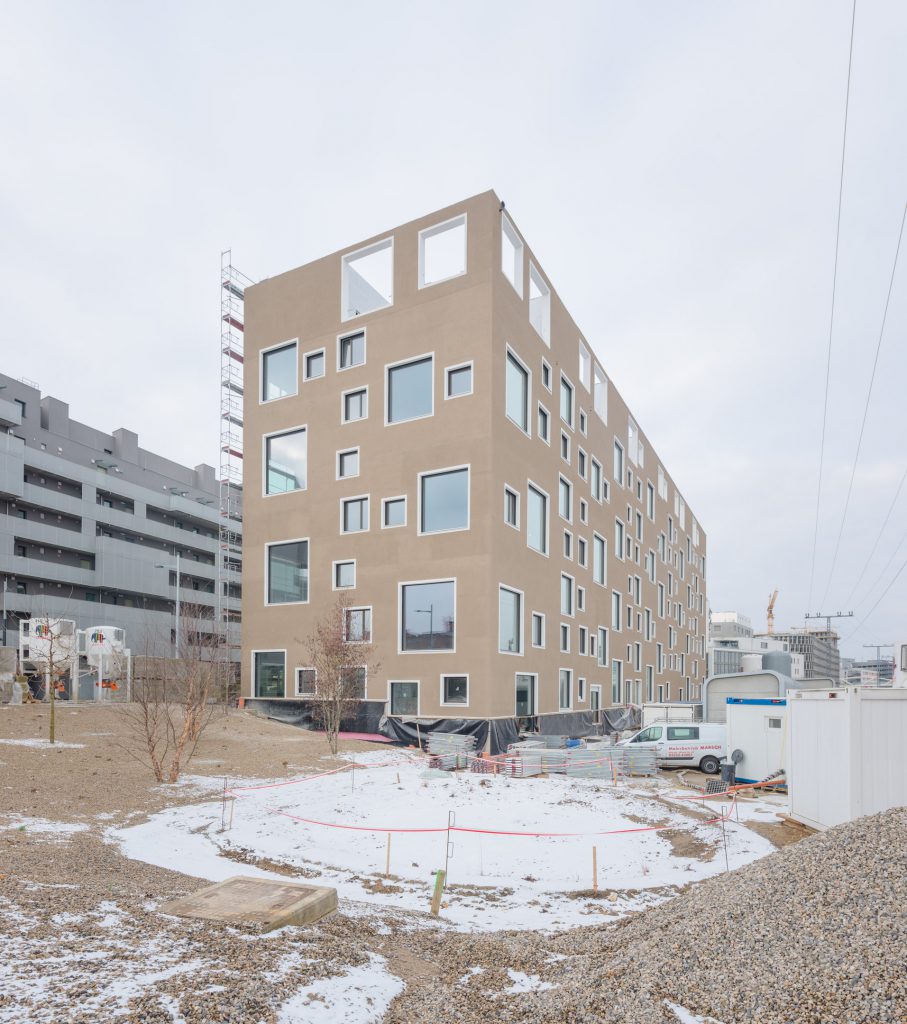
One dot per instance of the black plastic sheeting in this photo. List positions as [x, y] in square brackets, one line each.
[497, 733]
[414, 733]
[368, 716]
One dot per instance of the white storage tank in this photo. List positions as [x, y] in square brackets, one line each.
[103, 641]
[755, 728]
[845, 753]
[751, 663]
[43, 638]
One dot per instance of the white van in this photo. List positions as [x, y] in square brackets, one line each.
[701, 745]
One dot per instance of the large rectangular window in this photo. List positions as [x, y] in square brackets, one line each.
[286, 461]
[367, 279]
[510, 621]
[278, 372]
[537, 519]
[410, 391]
[565, 689]
[517, 397]
[444, 500]
[428, 616]
[539, 304]
[526, 703]
[599, 559]
[288, 572]
[566, 401]
[269, 669]
[617, 671]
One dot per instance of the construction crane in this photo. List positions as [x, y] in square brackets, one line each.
[770, 613]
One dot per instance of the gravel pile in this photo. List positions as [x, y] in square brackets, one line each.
[813, 934]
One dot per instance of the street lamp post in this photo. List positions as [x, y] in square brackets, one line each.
[430, 612]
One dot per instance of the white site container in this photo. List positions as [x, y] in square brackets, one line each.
[845, 753]
[755, 727]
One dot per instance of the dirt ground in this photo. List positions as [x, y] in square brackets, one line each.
[83, 941]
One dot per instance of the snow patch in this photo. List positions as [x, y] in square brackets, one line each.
[526, 983]
[43, 744]
[359, 996]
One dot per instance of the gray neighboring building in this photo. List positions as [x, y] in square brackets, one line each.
[819, 648]
[91, 524]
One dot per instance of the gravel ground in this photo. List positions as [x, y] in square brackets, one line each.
[813, 934]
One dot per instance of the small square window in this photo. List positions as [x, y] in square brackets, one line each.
[458, 381]
[511, 507]
[344, 575]
[354, 515]
[394, 512]
[355, 405]
[455, 690]
[313, 365]
[348, 463]
[305, 682]
[367, 279]
[404, 698]
[442, 252]
[351, 351]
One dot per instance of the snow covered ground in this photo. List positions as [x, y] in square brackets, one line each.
[334, 828]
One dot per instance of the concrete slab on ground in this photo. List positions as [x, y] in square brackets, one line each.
[260, 901]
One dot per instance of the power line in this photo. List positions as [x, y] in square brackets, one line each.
[875, 364]
[878, 580]
[831, 322]
[881, 598]
[894, 502]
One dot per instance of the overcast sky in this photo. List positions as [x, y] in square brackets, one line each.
[675, 164]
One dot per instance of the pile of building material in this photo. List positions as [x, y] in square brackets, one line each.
[450, 750]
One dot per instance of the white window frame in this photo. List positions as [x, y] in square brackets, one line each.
[562, 478]
[508, 351]
[522, 620]
[347, 451]
[305, 361]
[387, 391]
[358, 608]
[439, 229]
[596, 536]
[585, 360]
[547, 497]
[565, 437]
[410, 583]
[623, 464]
[437, 472]
[395, 497]
[508, 490]
[564, 638]
[350, 334]
[365, 250]
[264, 460]
[572, 613]
[276, 543]
[452, 704]
[508, 229]
[541, 617]
[352, 391]
[537, 278]
[571, 423]
[569, 705]
[535, 692]
[581, 690]
[342, 561]
[603, 646]
[368, 518]
[470, 365]
[546, 366]
[390, 696]
[268, 650]
[261, 370]
[547, 436]
[304, 668]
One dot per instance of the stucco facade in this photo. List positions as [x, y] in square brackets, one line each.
[476, 322]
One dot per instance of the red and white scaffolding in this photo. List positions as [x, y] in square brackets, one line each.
[229, 566]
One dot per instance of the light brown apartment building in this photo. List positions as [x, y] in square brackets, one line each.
[434, 435]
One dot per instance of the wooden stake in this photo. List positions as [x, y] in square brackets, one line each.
[419, 737]
[436, 895]
[387, 865]
[595, 869]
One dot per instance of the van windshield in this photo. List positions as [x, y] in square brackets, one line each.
[648, 735]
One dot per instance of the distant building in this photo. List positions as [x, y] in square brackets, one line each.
[731, 637]
[92, 526]
[819, 649]
[883, 669]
